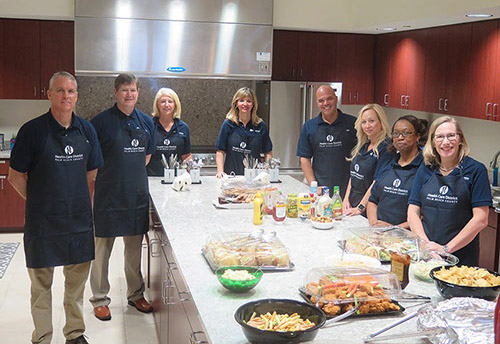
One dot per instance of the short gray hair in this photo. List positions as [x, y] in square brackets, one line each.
[61, 74]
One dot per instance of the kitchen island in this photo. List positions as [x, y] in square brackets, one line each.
[186, 219]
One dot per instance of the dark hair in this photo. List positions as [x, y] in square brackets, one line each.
[421, 127]
[125, 79]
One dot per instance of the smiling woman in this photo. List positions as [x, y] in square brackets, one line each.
[451, 194]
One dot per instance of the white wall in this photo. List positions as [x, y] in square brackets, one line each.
[482, 136]
[14, 113]
[38, 9]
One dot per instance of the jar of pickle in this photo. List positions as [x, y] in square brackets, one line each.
[291, 205]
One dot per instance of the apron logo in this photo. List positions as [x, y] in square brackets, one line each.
[356, 167]
[443, 190]
[135, 143]
[396, 183]
[68, 150]
[166, 142]
[329, 138]
[243, 145]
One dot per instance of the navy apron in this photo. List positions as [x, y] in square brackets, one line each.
[121, 199]
[395, 189]
[241, 142]
[329, 163]
[58, 229]
[361, 171]
[167, 143]
[446, 209]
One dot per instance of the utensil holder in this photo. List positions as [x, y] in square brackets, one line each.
[250, 173]
[168, 175]
[195, 175]
[274, 173]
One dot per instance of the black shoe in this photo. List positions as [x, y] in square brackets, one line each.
[79, 340]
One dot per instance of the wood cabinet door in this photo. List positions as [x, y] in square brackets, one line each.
[1, 60]
[459, 40]
[496, 95]
[316, 56]
[487, 245]
[483, 63]
[57, 50]
[285, 45]
[355, 67]
[435, 69]
[11, 205]
[384, 45]
[21, 65]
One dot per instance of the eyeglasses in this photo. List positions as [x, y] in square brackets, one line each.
[396, 134]
[451, 137]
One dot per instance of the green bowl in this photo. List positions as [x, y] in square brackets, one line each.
[239, 286]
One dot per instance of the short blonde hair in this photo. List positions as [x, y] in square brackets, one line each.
[165, 91]
[431, 156]
[362, 137]
[244, 92]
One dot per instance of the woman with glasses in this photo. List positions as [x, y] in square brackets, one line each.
[388, 202]
[372, 131]
[448, 205]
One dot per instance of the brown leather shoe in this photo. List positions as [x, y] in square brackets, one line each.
[102, 313]
[141, 305]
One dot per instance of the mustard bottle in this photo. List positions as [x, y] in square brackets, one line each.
[257, 209]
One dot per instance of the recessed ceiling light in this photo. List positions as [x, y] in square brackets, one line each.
[386, 28]
[479, 15]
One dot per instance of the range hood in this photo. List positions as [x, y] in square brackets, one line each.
[174, 38]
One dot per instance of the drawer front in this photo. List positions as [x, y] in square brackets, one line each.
[4, 166]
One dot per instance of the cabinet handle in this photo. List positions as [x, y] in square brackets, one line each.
[402, 100]
[164, 293]
[487, 114]
[194, 340]
[172, 266]
[357, 97]
[152, 242]
[301, 72]
[293, 72]
[440, 104]
[445, 107]
[407, 101]
[34, 91]
[2, 177]
[184, 298]
[386, 99]
[349, 97]
[495, 106]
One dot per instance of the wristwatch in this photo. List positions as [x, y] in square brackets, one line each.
[361, 207]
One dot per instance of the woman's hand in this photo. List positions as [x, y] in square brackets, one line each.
[220, 174]
[380, 223]
[345, 206]
[351, 211]
[434, 246]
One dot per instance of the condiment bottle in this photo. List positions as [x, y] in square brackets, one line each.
[400, 265]
[279, 210]
[314, 187]
[303, 206]
[291, 205]
[257, 209]
[325, 204]
[337, 202]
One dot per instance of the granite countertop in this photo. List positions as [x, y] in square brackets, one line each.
[5, 154]
[189, 218]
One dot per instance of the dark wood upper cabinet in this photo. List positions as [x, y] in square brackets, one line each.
[316, 58]
[484, 60]
[37, 49]
[1, 59]
[384, 44]
[285, 44]
[355, 67]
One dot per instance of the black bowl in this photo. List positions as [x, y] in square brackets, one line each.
[449, 290]
[281, 306]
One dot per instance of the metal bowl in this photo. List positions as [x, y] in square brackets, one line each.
[449, 290]
[281, 306]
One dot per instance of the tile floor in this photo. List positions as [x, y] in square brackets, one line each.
[127, 326]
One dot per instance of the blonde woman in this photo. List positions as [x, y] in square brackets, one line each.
[171, 133]
[243, 132]
[449, 202]
[370, 152]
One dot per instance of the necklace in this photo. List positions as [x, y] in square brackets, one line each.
[447, 169]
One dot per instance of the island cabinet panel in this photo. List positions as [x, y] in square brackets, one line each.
[484, 61]
[12, 206]
[355, 67]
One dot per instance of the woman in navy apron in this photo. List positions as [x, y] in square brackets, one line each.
[451, 194]
[372, 131]
[388, 202]
[171, 133]
[242, 133]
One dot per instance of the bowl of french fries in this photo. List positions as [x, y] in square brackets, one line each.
[273, 321]
[466, 281]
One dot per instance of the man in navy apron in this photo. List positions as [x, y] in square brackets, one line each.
[53, 162]
[328, 140]
[121, 201]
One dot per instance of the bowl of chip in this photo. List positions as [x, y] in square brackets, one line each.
[239, 279]
[465, 281]
[322, 222]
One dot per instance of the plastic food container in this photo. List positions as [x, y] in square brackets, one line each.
[379, 242]
[424, 261]
[258, 249]
[337, 290]
[237, 190]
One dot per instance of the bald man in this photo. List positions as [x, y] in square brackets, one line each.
[325, 142]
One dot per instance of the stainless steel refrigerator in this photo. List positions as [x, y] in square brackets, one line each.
[292, 104]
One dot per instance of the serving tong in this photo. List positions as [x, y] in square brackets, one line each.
[250, 162]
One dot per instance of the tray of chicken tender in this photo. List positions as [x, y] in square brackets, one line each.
[337, 290]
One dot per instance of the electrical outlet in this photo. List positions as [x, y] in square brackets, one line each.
[264, 67]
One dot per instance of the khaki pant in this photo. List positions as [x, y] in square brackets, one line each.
[99, 282]
[75, 277]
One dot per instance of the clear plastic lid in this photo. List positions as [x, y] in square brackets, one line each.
[259, 248]
[423, 261]
[339, 285]
[379, 242]
[238, 190]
